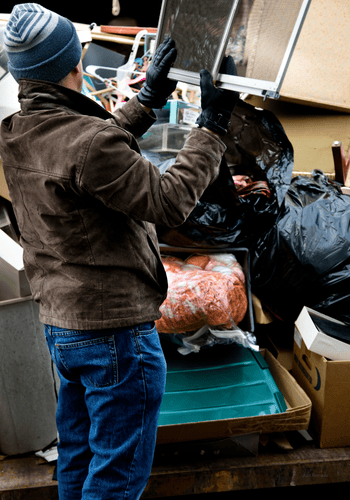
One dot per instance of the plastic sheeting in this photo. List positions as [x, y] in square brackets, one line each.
[304, 259]
[258, 147]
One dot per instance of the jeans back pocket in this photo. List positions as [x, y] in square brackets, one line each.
[93, 362]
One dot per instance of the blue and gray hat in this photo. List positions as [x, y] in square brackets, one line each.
[40, 44]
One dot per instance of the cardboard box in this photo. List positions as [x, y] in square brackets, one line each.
[317, 74]
[4, 190]
[283, 354]
[277, 338]
[13, 281]
[327, 383]
[316, 340]
[296, 417]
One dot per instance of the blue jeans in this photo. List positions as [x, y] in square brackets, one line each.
[112, 384]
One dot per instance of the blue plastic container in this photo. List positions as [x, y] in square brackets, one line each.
[220, 382]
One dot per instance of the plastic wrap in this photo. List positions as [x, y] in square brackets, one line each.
[204, 290]
[207, 337]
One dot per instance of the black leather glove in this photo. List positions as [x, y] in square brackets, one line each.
[158, 87]
[217, 104]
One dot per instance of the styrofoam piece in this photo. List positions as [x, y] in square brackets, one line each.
[11, 251]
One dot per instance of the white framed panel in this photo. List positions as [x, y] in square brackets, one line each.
[259, 34]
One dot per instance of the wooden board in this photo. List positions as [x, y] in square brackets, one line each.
[22, 477]
[126, 30]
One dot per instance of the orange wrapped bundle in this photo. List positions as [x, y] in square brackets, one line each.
[224, 263]
[203, 290]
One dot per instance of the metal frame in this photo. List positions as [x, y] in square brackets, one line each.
[240, 83]
[188, 76]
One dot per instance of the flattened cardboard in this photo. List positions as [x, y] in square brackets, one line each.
[4, 190]
[283, 354]
[317, 74]
[296, 417]
[327, 384]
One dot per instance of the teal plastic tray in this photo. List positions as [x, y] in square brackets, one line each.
[220, 382]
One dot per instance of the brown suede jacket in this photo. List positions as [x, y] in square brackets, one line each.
[86, 203]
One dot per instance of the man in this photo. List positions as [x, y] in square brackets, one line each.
[86, 203]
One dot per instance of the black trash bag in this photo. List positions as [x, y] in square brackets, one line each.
[207, 224]
[257, 146]
[304, 260]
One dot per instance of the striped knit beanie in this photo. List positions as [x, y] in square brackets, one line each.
[40, 44]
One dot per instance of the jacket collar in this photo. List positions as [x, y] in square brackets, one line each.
[37, 95]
